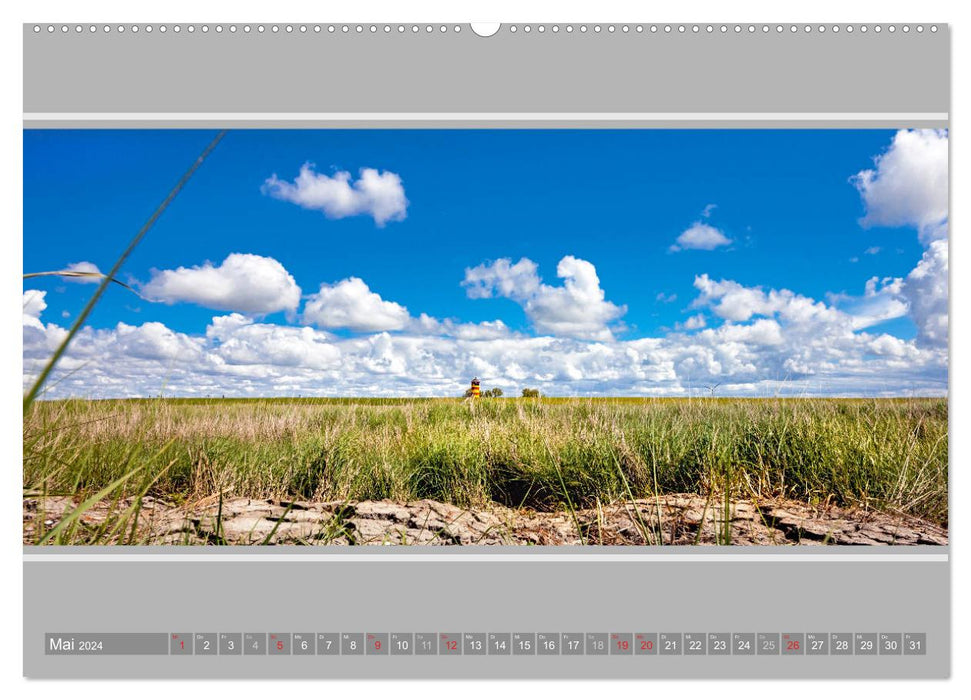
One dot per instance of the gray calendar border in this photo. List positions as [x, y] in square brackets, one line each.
[202, 597]
[79, 73]
[717, 72]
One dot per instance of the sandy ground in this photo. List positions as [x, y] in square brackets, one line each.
[680, 519]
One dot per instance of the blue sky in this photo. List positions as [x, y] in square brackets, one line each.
[778, 210]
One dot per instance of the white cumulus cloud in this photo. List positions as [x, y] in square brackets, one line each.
[502, 278]
[250, 284]
[577, 309]
[693, 323]
[351, 304]
[700, 236]
[908, 185]
[155, 341]
[733, 301]
[882, 300]
[486, 330]
[379, 195]
[925, 289]
[237, 341]
[34, 306]
[790, 344]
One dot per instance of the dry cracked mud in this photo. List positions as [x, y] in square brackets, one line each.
[678, 519]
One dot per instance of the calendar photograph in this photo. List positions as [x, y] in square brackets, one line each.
[508, 337]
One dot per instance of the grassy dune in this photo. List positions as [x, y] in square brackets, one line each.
[545, 454]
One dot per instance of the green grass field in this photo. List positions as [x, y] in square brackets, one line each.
[546, 454]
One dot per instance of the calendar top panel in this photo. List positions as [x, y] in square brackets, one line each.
[625, 69]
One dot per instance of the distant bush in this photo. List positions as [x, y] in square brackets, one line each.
[493, 393]
[530, 393]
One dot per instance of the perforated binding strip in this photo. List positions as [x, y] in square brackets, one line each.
[520, 29]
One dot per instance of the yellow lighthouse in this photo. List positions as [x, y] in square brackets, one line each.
[475, 388]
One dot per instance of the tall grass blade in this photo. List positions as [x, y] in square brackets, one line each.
[110, 276]
[73, 516]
